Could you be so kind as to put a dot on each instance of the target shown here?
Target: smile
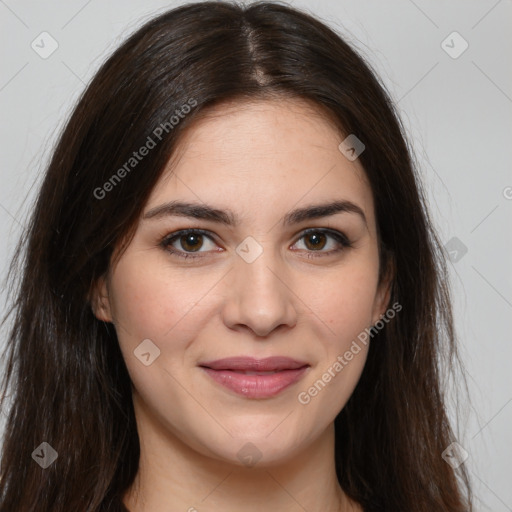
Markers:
(255, 378)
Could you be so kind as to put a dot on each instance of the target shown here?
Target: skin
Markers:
(260, 160)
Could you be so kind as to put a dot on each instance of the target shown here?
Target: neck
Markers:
(174, 477)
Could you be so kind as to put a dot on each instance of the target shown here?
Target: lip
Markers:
(230, 373)
(251, 364)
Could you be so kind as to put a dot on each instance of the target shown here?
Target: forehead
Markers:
(266, 154)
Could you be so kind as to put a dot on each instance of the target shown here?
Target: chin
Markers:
(261, 449)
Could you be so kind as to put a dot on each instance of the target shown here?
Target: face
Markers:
(253, 267)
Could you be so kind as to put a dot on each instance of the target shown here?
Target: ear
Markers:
(383, 295)
(100, 301)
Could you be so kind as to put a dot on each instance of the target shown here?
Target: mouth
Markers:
(255, 378)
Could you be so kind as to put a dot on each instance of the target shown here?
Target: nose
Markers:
(260, 296)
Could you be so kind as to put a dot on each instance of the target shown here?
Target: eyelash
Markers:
(341, 238)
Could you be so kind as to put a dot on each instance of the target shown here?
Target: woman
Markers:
(231, 297)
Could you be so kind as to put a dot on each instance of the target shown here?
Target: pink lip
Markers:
(229, 373)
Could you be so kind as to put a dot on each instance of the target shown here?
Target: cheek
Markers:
(147, 300)
(153, 300)
(144, 307)
(345, 300)
(345, 304)
(149, 303)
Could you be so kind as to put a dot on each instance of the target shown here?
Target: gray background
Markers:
(456, 110)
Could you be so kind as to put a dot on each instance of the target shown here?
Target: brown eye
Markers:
(187, 242)
(191, 241)
(315, 240)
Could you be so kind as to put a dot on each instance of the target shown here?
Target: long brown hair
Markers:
(65, 374)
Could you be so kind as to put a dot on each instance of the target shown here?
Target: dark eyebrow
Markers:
(227, 217)
(323, 210)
